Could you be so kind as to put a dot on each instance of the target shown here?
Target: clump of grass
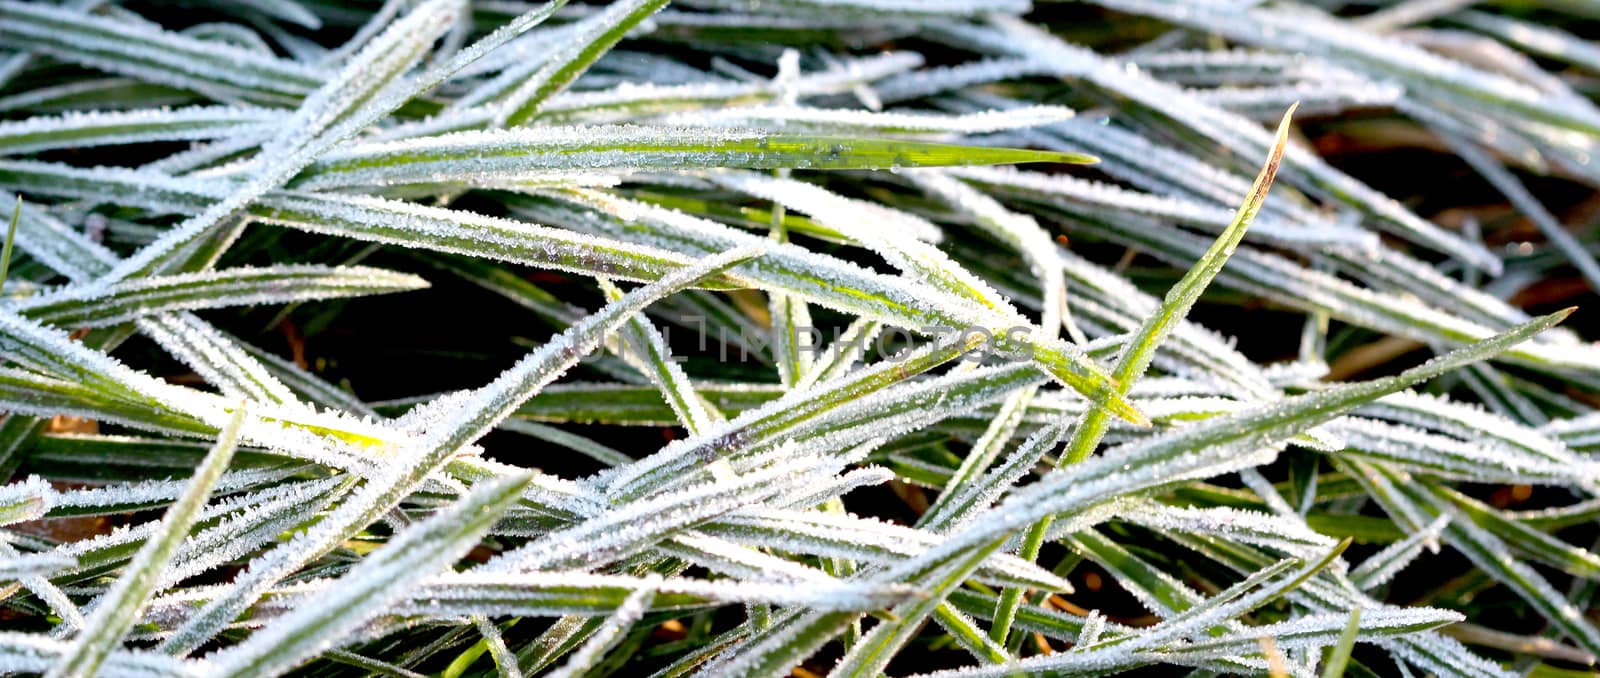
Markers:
(906, 395)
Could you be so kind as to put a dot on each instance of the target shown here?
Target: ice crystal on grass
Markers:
(1383, 565)
(101, 305)
(119, 607)
(846, 120)
(25, 500)
(415, 554)
(1259, 529)
(77, 130)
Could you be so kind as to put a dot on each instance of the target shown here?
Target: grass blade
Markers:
(416, 553)
(119, 608)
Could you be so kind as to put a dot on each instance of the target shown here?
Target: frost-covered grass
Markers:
(832, 336)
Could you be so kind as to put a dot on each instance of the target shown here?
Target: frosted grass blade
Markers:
(823, 280)
(452, 423)
(839, 121)
(1219, 127)
(386, 575)
(25, 500)
(96, 306)
(1309, 631)
(875, 227)
(38, 653)
(482, 154)
(1205, 448)
(872, 653)
(592, 38)
(1307, 30)
(862, 9)
(131, 127)
(373, 220)
(1267, 273)
(1489, 552)
(627, 614)
(1525, 540)
(370, 86)
(1381, 566)
(119, 608)
(645, 344)
(1139, 352)
(139, 50)
(548, 594)
(1502, 179)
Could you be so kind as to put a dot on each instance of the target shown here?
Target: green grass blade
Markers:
(872, 653)
(119, 608)
(644, 343)
(137, 50)
(132, 127)
(24, 501)
(95, 306)
(11, 239)
(596, 36)
(579, 148)
(388, 573)
(456, 425)
(1139, 352)
(1339, 656)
